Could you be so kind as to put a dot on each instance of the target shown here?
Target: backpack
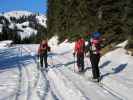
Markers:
(42, 48)
(95, 46)
(96, 37)
(80, 46)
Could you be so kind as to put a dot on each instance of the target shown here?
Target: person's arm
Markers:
(49, 48)
(84, 48)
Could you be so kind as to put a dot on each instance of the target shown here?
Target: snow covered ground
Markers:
(5, 44)
(20, 78)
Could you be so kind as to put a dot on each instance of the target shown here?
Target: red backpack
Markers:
(42, 48)
(80, 46)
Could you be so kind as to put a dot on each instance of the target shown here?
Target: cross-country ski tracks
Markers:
(34, 58)
(42, 82)
(124, 84)
(25, 85)
(103, 86)
(47, 90)
(20, 80)
(103, 90)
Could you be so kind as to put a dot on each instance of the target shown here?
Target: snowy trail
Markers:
(49, 92)
(26, 81)
(62, 69)
(4, 71)
(59, 93)
(21, 79)
(83, 85)
(46, 93)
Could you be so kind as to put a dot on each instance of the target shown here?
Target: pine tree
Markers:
(113, 18)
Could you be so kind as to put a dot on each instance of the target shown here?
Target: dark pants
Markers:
(80, 61)
(43, 59)
(95, 58)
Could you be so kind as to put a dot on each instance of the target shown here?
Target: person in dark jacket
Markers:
(95, 48)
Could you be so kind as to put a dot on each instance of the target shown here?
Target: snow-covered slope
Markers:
(22, 81)
(17, 14)
(5, 44)
(42, 20)
(26, 29)
(117, 72)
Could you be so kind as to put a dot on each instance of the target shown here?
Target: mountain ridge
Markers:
(23, 23)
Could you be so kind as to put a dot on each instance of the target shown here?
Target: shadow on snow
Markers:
(116, 70)
(10, 58)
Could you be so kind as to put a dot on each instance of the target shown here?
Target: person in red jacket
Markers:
(42, 52)
(79, 51)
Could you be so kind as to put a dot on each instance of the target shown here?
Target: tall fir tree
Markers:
(111, 17)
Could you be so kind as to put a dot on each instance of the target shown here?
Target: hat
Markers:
(87, 33)
(96, 34)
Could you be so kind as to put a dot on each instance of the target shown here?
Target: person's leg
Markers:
(78, 61)
(97, 67)
(82, 62)
(41, 60)
(92, 59)
(45, 60)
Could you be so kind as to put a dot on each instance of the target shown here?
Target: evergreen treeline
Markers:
(13, 33)
(10, 34)
(113, 18)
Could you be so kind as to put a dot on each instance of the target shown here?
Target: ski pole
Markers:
(38, 61)
(74, 64)
(52, 60)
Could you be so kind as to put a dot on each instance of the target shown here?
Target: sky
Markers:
(27, 5)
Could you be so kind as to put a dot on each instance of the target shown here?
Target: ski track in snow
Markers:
(16, 93)
(47, 88)
(60, 82)
(105, 86)
(105, 89)
(27, 74)
(24, 87)
(78, 86)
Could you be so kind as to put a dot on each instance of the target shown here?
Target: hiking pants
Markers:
(43, 59)
(95, 58)
(80, 61)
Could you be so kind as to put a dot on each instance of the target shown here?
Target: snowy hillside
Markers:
(22, 20)
(21, 79)
(42, 20)
(17, 14)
